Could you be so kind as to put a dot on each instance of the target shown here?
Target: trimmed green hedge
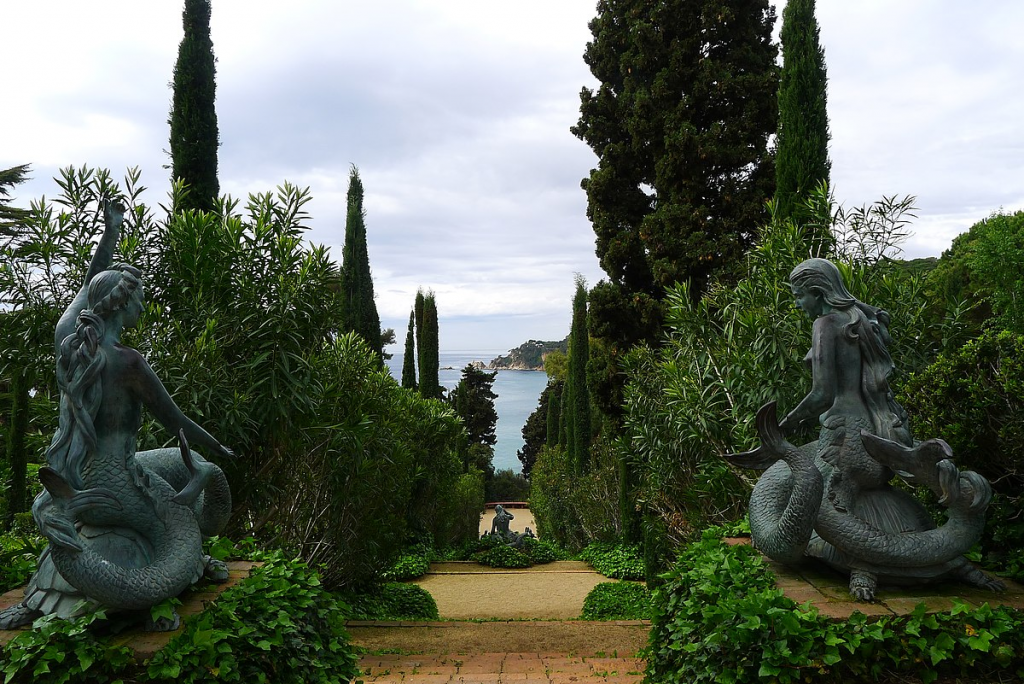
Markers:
(720, 618)
(617, 601)
(617, 561)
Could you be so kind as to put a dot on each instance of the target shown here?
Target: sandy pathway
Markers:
(553, 591)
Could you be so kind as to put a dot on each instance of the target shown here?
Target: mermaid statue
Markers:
(125, 528)
(833, 499)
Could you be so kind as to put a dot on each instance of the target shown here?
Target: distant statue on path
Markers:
(125, 529)
(832, 499)
(501, 520)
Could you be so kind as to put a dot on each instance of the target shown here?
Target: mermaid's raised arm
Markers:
(102, 258)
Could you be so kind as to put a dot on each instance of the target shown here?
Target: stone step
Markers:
(622, 638)
(500, 668)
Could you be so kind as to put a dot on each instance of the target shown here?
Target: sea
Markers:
(518, 394)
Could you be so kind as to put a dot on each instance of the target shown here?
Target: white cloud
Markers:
(457, 115)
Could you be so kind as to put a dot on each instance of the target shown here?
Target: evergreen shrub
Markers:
(973, 398)
(393, 601)
(617, 601)
(276, 626)
(618, 561)
(502, 555)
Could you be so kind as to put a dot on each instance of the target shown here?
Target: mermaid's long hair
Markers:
(868, 325)
(80, 361)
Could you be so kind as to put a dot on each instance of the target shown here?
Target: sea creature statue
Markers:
(125, 528)
(832, 499)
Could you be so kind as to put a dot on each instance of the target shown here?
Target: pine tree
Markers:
(193, 119)
(360, 310)
(680, 124)
(802, 161)
(409, 360)
(474, 403)
(11, 217)
(430, 386)
(576, 407)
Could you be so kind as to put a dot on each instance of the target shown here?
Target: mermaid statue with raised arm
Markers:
(832, 499)
(125, 528)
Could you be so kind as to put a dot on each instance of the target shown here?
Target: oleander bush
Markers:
(720, 618)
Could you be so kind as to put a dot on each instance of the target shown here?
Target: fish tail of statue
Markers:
(785, 501)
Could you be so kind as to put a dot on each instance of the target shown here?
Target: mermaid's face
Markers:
(133, 310)
(809, 301)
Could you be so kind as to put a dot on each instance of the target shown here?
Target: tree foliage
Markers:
(359, 310)
(193, 119)
(541, 427)
(335, 462)
(680, 124)
(409, 358)
(474, 398)
(802, 161)
(576, 403)
(973, 397)
(742, 345)
(430, 385)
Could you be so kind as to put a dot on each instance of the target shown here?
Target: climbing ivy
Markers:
(720, 618)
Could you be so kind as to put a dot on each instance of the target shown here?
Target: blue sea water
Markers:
(518, 393)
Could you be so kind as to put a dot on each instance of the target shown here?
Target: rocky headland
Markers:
(528, 356)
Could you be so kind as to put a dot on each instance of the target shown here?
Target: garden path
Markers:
(504, 626)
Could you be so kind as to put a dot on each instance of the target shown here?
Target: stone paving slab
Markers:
(145, 644)
(614, 638)
(500, 668)
(829, 592)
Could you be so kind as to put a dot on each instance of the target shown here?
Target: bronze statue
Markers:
(125, 529)
(832, 498)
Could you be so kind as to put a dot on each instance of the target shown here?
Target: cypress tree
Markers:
(417, 309)
(193, 119)
(554, 414)
(802, 161)
(577, 404)
(360, 310)
(430, 386)
(409, 360)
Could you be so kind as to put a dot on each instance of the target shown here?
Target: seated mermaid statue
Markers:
(125, 529)
(832, 499)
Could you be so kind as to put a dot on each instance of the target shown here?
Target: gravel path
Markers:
(470, 591)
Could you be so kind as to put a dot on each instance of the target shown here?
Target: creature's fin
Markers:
(773, 442)
(200, 473)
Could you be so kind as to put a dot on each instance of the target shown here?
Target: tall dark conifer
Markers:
(576, 407)
(409, 359)
(417, 310)
(680, 124)
(802, 161)
(360, 309)
(193, 120)
(430, 386)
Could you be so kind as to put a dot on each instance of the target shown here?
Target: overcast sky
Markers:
(457, 114)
